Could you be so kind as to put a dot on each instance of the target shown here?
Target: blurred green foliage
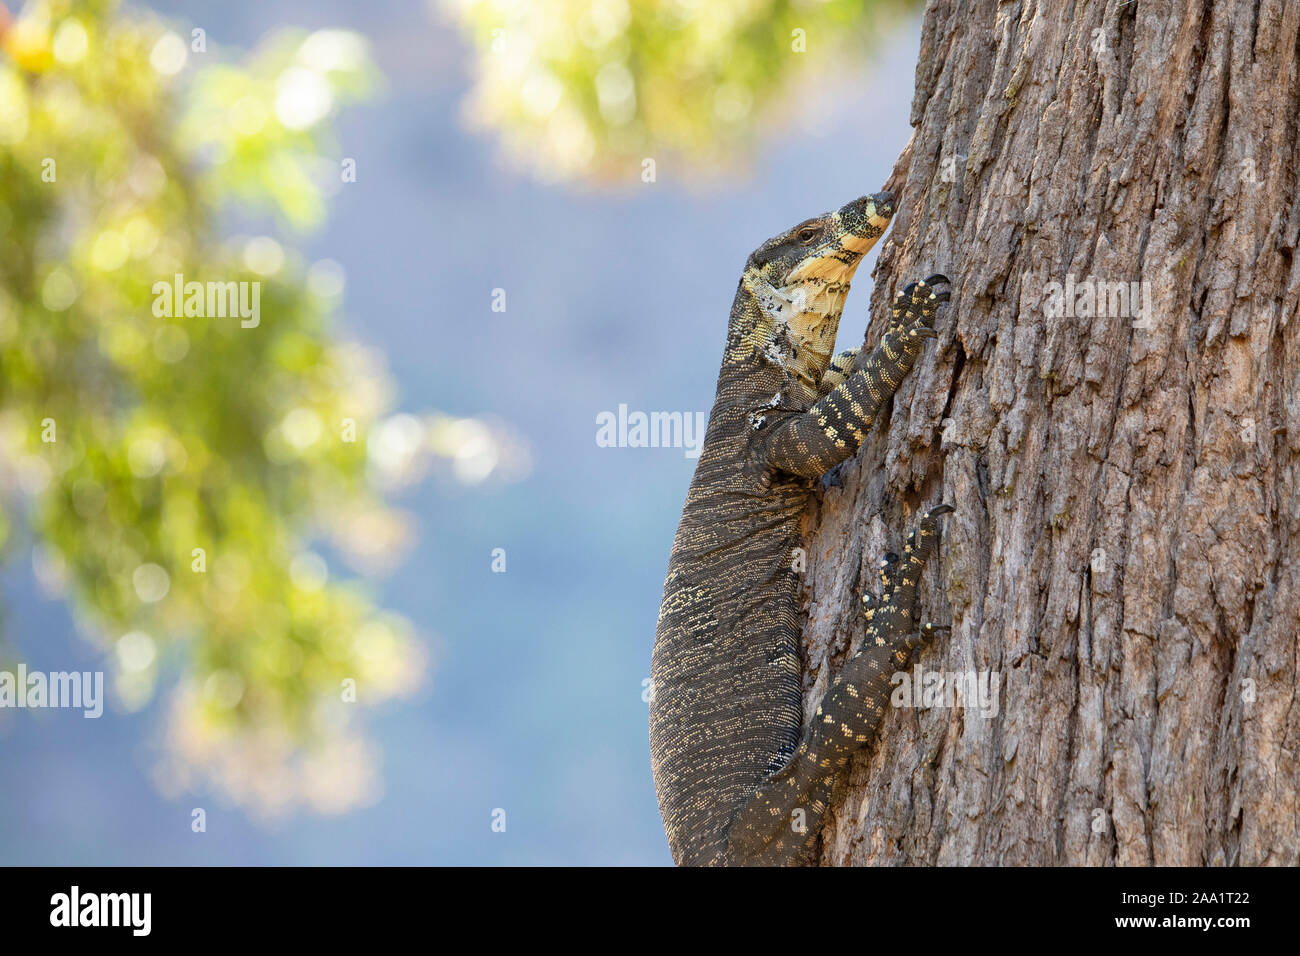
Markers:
(174, 472)
(589, 88)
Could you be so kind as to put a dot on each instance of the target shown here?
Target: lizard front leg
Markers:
(779, 824)
(840, 368)
(811, 443)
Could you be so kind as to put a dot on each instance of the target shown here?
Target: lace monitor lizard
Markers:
(732, 763)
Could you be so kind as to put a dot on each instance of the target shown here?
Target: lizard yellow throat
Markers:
(801, 278)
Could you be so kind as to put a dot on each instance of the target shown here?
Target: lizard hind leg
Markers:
(920, 543)
(779, 822)
(888, 579)
(893, 619)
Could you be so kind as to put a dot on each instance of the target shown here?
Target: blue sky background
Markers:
(533, 703)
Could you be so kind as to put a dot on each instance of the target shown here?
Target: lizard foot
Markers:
(870, 602)
(916, 306)
(889, 617)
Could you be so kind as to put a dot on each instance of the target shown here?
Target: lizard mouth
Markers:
(815, 289)
(861, 223)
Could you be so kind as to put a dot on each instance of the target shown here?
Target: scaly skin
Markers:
(739, 779)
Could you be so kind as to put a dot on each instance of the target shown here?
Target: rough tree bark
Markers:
(1126, 547)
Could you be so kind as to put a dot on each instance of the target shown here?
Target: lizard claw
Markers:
(929, 631)
(914, 309)
(888, 565)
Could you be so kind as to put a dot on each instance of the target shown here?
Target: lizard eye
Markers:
(806, 236)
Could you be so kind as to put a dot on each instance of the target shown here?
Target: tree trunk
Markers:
(1125, 554)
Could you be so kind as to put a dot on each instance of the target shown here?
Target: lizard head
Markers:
(798, 281)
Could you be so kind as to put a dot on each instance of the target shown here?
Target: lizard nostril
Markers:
(884, 203)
